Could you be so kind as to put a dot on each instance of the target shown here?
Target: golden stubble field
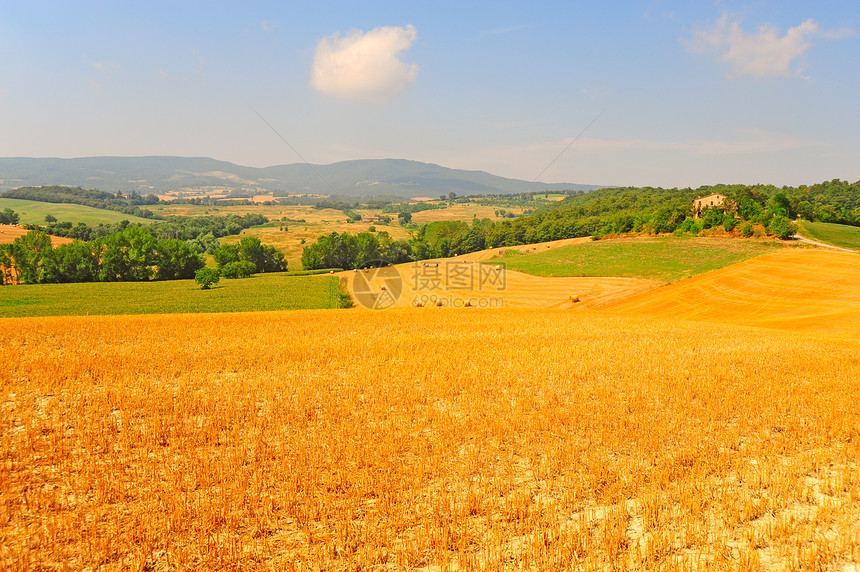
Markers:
(9, 232)
(810, 290)
(426, 440)
(489, 286)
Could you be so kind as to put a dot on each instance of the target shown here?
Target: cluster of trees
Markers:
(248, 257)
(131, 255)
(8, 216)
(351, 250)
(126, 204)
(202, 231)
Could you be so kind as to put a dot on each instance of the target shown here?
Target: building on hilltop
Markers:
(710, 201)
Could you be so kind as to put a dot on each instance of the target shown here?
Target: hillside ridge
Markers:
(355, 178)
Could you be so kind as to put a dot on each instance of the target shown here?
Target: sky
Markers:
(650, 93)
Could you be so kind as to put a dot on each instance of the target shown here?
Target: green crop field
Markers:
(264, 292)
(659, 258)
(835, 234)
(33, 212)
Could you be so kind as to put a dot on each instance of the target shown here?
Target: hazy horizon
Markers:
(678, 95)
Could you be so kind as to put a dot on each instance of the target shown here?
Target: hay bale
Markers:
(574, 298)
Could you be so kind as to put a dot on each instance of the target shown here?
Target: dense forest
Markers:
(749, 211)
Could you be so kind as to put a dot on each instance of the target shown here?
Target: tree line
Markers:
(350, 250)
(128, 256)
(132, 255)
(749, 210)
(202, 230)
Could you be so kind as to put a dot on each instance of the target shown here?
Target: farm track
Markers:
(821, 244)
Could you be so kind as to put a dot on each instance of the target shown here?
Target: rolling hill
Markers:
(360, 178)
(33, 212)
(811, 291)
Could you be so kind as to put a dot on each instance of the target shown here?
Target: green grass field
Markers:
(835, 234)
(659, 258)
(33, 212)
(276, 291)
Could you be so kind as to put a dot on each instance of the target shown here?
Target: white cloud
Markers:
(364, 65)
(268, 27)
(763, 53)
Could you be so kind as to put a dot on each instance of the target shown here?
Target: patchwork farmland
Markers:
(438, 439)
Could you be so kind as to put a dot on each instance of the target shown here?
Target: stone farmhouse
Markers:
(702, 203)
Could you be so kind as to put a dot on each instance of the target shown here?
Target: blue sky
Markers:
(686, 93)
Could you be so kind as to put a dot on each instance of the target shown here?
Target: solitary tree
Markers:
(207, 277)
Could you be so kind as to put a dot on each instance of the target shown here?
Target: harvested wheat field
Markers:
(803, 290)
(427, 286)
(415, 440)
(9, 232)
(455, 282)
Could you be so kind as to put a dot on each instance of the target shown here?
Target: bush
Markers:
(242, 269)
(711, 217)
(207, 277)
(8, 216)
(782, 228)
(729, 222)
(688, 226)
(747, 230)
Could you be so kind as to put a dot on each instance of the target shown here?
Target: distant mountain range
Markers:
(361, 178)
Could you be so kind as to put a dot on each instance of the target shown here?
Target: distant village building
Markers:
(710, 201)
